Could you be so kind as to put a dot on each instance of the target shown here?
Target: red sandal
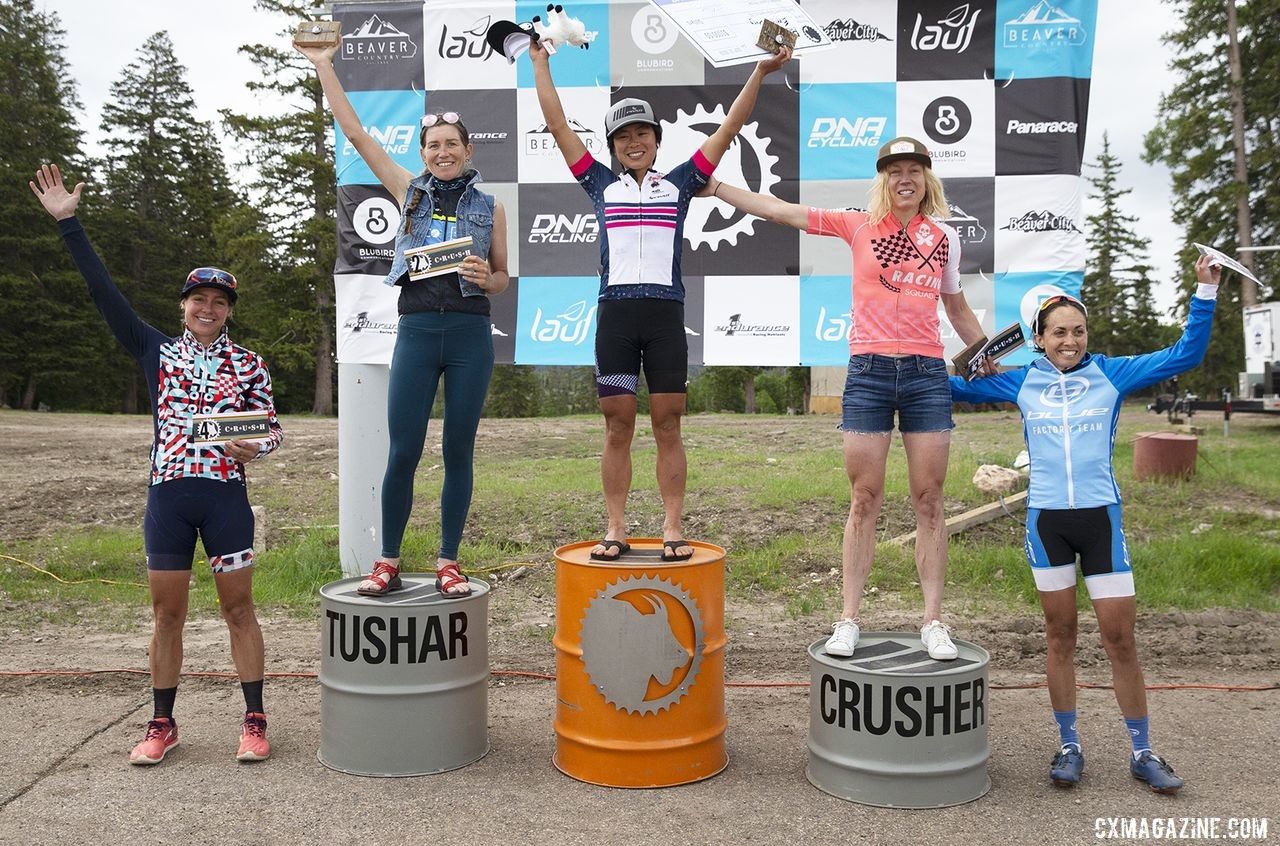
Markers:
(384, 579)
(448, 576)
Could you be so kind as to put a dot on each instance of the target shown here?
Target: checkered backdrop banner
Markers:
(998, 90)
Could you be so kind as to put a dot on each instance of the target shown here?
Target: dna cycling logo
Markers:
(642, 643)
(747, 163)
(952, 33)
(840, 133)
(571, 327)
(396, 139)
(850, 29)
(1065, 391)
(564, 229)
(832, 328)
(466, 43)
(378, 42)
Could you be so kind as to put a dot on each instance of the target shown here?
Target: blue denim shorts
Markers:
(915, 386)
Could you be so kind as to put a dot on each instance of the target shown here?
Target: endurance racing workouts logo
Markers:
(736, 327)
(1044, 25)
(953, 32)
(466, 44)
(572, 327)
(850, 30)
(378, 42)
(642, 643)
(362, 323)
(747, 163)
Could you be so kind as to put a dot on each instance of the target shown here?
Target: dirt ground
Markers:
(66, 780)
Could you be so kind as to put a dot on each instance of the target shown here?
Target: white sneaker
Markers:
(937, 639)
(844, 637)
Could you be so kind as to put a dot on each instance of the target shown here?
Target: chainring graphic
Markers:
(636, 632)
(712, 222)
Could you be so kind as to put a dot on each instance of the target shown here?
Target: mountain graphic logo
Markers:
(378, 41)
(1044, 25)
(376, 27)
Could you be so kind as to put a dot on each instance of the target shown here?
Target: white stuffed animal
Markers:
(560, 29)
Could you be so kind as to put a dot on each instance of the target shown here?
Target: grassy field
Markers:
(772, 490)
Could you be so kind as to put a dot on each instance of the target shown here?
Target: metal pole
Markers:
(1244, 225)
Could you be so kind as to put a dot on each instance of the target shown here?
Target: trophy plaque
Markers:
(774, 36)
(317, 33)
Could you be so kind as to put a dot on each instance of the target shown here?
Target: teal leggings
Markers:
(430, 345)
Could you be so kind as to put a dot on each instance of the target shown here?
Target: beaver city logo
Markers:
(642, 643)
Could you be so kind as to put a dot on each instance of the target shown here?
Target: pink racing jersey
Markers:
(898, 274)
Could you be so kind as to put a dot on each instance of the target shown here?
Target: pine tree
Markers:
(44, 339)
(167, 192)
(1193, 138)
(293, 160)
(1117, 286)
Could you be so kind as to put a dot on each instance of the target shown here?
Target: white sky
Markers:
(1129, 75)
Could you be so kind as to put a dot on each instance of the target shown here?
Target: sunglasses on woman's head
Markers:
(442, 117)
(1063, 298)
(211, 274)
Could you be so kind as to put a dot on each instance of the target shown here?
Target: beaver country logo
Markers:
(1042, 221)
(642, 643)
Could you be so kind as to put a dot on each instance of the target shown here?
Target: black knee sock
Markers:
(252, 696)
(163, 698)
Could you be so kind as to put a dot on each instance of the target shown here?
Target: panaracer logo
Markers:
(395, 139)
(832, 328)
(737, 327)
(850, 30)
(1043, 127)
(466, 44)
(1041, 221)
(1044, 25)
(953, 32)
(488, 137)
(642, 643)
(966, 226)
(362, 323)
(571, 327)
(540, 141)
(377, 41)
(838, 132)
(564, 229)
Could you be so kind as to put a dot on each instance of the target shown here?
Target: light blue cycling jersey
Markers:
(1069, 419)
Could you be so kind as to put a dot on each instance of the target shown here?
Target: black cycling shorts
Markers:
(217, 512)
(636, 334)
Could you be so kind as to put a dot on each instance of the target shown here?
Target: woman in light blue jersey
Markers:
(1070, 403)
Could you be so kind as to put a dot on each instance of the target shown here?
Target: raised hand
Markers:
(318, 54)
(775, 61)
(53, 195)
(1208, 273)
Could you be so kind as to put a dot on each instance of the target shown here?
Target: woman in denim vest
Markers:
(444, 322)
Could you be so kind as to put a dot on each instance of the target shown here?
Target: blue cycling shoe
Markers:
(1066, 766)
(1156, 772)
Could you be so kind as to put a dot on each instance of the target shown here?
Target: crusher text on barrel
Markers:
(385, 642)
(946, 709)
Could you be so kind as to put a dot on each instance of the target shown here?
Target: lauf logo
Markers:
(570, 327)
(954, 32)
(1065, 391)
(839, 132)
(834, 328)
(564, 229)
(469, 44)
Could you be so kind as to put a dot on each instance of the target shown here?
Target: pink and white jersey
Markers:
(898, 274)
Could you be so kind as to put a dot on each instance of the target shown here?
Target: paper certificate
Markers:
(1220, 258)
(232, 426)
(437, 259)
(725, 31)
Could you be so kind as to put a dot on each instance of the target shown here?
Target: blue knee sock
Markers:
(1138, 734)
(1067, 727)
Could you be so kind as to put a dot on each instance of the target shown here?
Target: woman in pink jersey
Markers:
(904, 260)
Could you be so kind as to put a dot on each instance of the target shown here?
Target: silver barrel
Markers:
(892, 727)
(404, 678)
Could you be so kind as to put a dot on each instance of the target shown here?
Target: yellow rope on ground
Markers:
(58, 578)
(479, 570)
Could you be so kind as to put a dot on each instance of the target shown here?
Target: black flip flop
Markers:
(672, 546)
(622, 546)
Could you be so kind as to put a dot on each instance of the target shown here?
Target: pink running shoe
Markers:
(253, 738)
(162, 735)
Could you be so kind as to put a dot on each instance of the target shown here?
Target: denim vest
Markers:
(475, 218)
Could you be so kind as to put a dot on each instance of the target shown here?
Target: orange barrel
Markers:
(640, 666)
(1164, 454)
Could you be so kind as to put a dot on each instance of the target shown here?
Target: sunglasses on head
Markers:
(1054, 300)
(443, 117)
(212, 274)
